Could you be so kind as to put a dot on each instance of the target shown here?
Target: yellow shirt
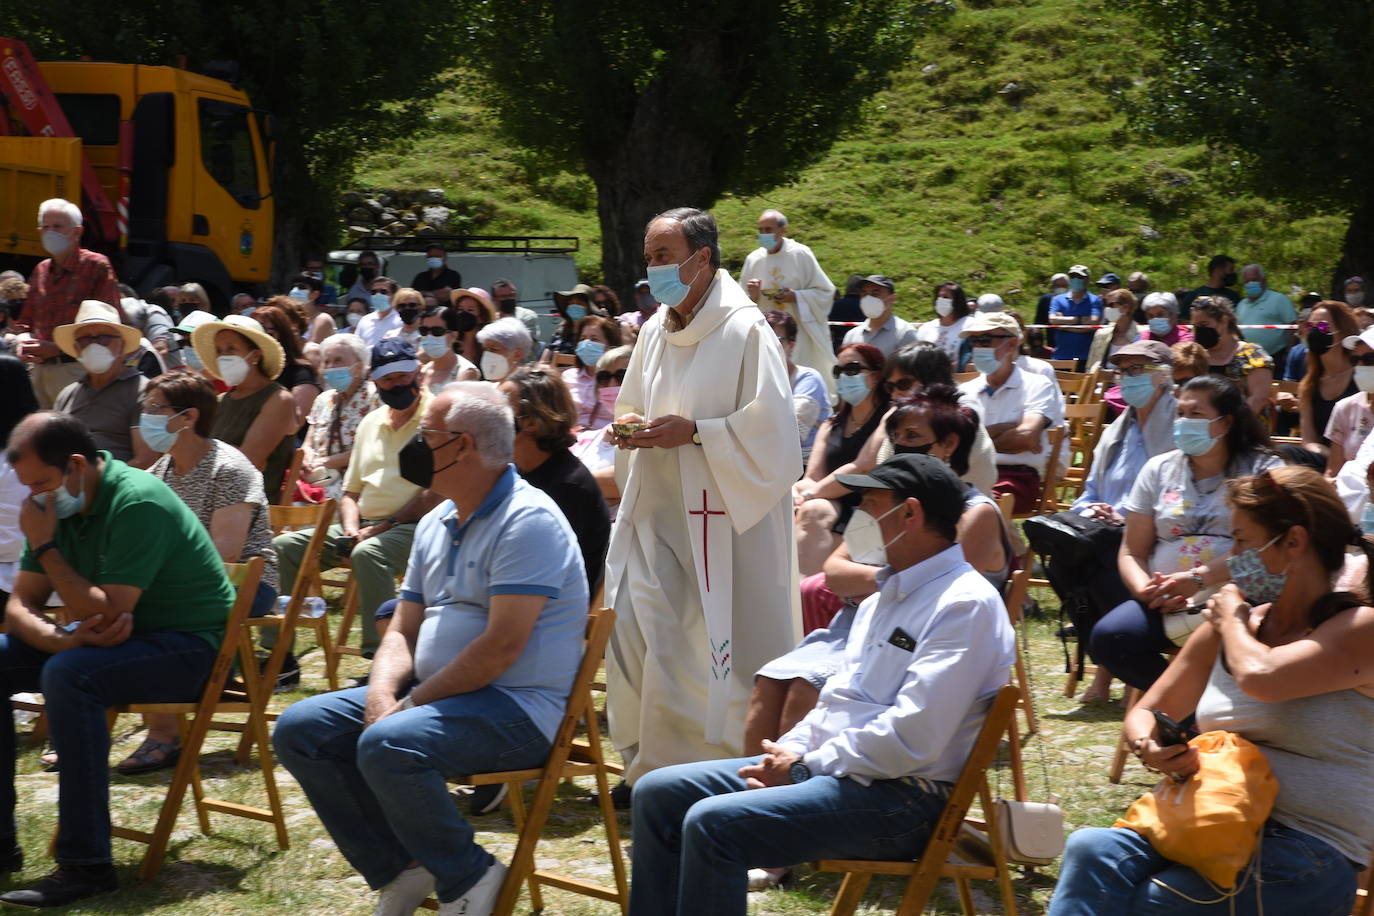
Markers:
(374, 470)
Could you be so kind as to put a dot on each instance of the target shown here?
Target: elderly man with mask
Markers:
(57, 288)
(108, 395)
(1263, 305)
(473, 674)
(783, 274)
(883, 329)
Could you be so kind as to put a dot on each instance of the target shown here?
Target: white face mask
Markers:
(1364, 379)
(864, 537)
(872, 306)
(96, 359)
(494, 366)
(56, 244)
(944, 306)
(1110, 315)
(232, 369)
(353, 319)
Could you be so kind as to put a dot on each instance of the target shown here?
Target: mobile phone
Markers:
(343, 546)
(1169, 731)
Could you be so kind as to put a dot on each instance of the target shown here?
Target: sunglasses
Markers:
(433, 332)
(989, 340)
(901, 384)
(103, 339)
(605, 376)
(849, 369)
(1319, 326)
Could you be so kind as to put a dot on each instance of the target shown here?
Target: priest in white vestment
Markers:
(701, 569)
(783, 274)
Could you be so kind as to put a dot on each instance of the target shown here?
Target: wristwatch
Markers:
(696, 436)
(407, 702)
(43, 548)
(799, 772)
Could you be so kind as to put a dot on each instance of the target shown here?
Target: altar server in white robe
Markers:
(782, 273)
(702, 566)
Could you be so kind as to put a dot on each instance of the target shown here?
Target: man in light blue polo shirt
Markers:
(472, 675)
(1074, 315)
(1263, 305)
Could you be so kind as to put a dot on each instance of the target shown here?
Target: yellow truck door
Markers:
(231, 210)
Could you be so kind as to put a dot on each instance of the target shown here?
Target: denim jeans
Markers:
(78, 685)
(1129, 640)
(1110, 870)
(698, 831)
(382, 792)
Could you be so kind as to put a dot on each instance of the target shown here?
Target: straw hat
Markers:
(203, 339)
(92, 314)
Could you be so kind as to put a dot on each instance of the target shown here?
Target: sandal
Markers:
(151, 755)
(49, 759)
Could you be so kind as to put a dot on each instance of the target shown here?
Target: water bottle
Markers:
(1367, 519)
(312, 606)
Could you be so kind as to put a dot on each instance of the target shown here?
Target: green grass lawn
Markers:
(239, 869)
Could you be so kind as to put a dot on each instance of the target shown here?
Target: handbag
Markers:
(1211, 822)
(1032, 833)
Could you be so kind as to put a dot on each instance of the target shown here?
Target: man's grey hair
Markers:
(59, 205)
(777, 217)
(613, 356)
(481, 410)
(350, 342)
(510, 333)
(1259, 271)
(238, 296)
(699, 228)
(135, 312)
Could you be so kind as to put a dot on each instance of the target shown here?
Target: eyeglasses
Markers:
(103, 339)
(989, 340)
(605, 376)
(158, 408)
(849, 369)
(429, 432)
(1140, 370)
(432, 331)
(901, 384)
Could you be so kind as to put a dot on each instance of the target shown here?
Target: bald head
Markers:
(52, 438)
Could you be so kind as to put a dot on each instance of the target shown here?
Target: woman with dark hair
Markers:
(858, 376)
(19, 401)
(1283, 659)
(297, 374)
(951, 308)
(1330, 375)
(440, 362)
(605, 301)
(1178, 526)
(1245, 363)
(544, 421)
(595, 335)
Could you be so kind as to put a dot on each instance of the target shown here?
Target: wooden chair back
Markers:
(287, 495)
(307, 585)
(564, 360)
(1067, 365)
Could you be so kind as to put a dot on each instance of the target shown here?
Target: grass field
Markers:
(239, 870)
(1000, 155)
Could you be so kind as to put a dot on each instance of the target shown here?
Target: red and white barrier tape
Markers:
(1094, 327)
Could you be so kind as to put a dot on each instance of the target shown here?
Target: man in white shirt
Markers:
(1016, 406)
(867, 772)
(883, 329)
(383, 318)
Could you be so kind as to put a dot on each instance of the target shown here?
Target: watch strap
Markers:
(44, 548)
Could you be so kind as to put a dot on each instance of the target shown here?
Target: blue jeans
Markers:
(1109, 870)
(698, 831)
(1130, 641)
(382, 792)
(78, 685)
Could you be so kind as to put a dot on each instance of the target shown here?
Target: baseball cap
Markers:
(914, 476)
(392, 354)
(1078, 270)
(1108, 280)
(988, 322)
(1366, 336)
(880, 280)
(1155, 351)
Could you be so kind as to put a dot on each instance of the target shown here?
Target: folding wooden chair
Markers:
(568, 758)
(1085, 423)
(211, 703)
(1018, 586)
(1074, 386)
(939, 861)
(307, 585)
(1065, 365)
(1047, 501)
(287, 496)
(563, 360)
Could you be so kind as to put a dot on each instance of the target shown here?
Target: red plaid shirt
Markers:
(55, 293)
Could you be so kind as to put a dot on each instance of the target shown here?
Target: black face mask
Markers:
(416, 460)
(1229, 279)
(1319, 341)
(369, 273)
(507, 306)
(1207, 338)
(399, 398)
(913, 449)
(408, 316)
(466, 321)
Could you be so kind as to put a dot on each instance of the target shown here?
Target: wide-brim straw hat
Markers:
(203, 339)
(93, 313)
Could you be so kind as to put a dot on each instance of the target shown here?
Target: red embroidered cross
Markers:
(705, 514)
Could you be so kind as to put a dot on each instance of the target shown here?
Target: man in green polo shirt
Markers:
(147, 592)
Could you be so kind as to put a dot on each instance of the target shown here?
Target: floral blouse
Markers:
(332, 426)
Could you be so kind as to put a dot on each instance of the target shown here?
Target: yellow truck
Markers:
(172, 168)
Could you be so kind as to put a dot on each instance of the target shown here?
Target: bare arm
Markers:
(1175, 694)
(303, 395)
(1137, 544)
(25, 620)
(1024, 438)
(867, 459)
(1257, 388)
(348, 513)
(394, 665)
(980, 537)
(848, 579)
(229, 530)
(605, 479)
(1335, 458)
(276, 421)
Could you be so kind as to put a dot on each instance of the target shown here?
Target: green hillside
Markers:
(998, 157)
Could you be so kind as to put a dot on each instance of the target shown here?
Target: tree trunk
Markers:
(1357, 253)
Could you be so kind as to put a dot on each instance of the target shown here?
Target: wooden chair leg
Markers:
(1027, 702)
(187, 768)
(1123, 750)
(258, 723)
(966, 897)
(851, 893)
(608, 818)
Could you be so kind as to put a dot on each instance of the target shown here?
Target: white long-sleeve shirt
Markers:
(893, 711)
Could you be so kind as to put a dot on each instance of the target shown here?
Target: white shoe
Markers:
(480, 899)
(762, 879)
(405, 893)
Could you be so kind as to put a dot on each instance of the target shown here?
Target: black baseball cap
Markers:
(915, 476)
(880, 280)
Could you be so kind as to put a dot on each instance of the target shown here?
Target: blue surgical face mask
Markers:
(1137, 390)
(1159, 327)
(589, 351)
(340, 377)
(1367, 519)
(434, 263)
(1077, 284)
(67, 504)
(768, 240)
(665, 282)
(1192, 436)
(380, 302)
(300, 294)
(853, 388)
(191, 358)
(985, 360)
(576, 312)
(434, 347)
(153, 428)
(1252, 289)
(1253, 578)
